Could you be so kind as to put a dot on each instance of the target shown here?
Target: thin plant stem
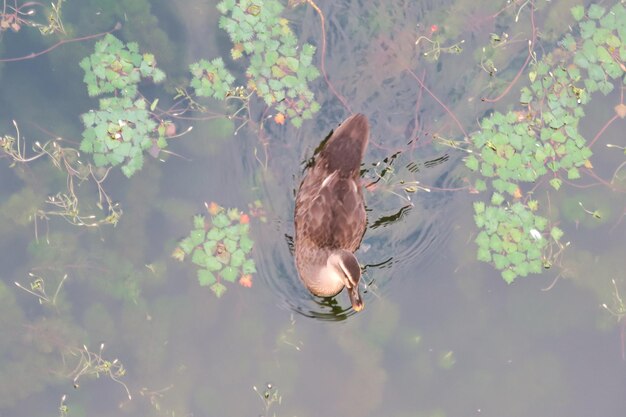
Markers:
(323, 56)
(32, 55)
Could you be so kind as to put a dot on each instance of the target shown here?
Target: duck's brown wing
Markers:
(330, 213)
(345, 148)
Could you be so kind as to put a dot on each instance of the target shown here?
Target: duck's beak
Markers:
(355, 298)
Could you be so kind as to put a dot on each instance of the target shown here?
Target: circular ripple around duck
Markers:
(409, 243)
(403, 236)
(276, 266)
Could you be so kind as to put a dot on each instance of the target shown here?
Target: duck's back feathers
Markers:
(330, 212)
(331, 215)
(344, 150)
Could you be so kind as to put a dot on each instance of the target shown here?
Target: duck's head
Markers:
(342, 266)
(326, 272)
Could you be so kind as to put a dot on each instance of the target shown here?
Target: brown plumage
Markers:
(330, 214)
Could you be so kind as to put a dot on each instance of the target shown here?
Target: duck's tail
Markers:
(345, 148)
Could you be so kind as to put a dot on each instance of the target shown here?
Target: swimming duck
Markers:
(330, 214)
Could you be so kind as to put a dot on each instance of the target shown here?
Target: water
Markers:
(441, 334)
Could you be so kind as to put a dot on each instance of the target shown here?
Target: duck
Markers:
(330, 218)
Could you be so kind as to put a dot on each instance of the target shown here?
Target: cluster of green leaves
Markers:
(508, 153)
(601, 46)
(512, 236)
(211, 79)
(122, 128)
(119, 132)
(221, 248)
(542, 138)
(116, 67)
(279, 71)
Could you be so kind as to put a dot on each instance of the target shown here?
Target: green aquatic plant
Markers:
(525, 145)
(211, 79)
(541, 139)
(279, 70)
(118, 67)
(120, 132)
(513, 237)
(221, 247)
(123, 128)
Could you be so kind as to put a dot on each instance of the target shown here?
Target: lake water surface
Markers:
(442, 334)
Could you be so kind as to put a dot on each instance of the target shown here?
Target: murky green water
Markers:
(441, 335)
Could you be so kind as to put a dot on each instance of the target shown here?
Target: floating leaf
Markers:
(212, 263)
(216, 234)
(497, 199)
(237, 258)
(187, 245)
(509, 276)
(556, 233)
(218, 289)
(578, 12)
(249, 267)
(197, 236)
(199, 257)
(198, 222)
(229, 274)
(595, 11)
(555, 183)
(178, 254)
(205, 277)
(471, 162)
(245, 243)
(221, 220)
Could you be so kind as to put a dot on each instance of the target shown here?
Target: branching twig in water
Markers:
(118, 26)
(65, 204)
(446, 108)
(408, 187)
(38, 289)
(531, 55)
(182, 94)
(451, 143)
(620, 166)
(601, 131)
(155, 395)
(596, 214)
(15, 18)
(619, 311)
(436, 49)
(269, 397)
(91, 363)
(63, 409)
(15, 149)
(323, 55)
